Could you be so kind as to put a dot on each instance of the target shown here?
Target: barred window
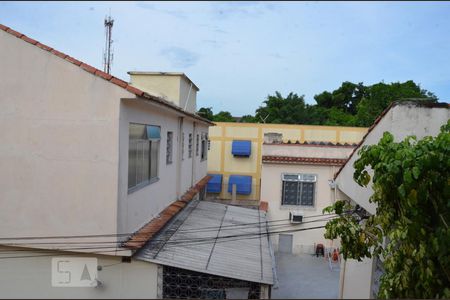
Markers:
(298, 189)
(190, 146)
(169, 148)
(197, 145)
(143, 154)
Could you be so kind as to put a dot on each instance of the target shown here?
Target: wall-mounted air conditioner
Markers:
(296, 216)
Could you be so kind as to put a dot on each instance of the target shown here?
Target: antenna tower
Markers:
(107, 54)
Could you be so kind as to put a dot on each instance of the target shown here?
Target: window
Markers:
(190, 146)
(182, 146)
(298, 189)
(197, 142)
(169, 147)
(143, 154)
(204, 151)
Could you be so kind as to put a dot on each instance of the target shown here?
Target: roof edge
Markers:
(96, 72)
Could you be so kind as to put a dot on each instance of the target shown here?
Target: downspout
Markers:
(187, 99)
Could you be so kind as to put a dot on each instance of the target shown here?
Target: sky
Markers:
(238, 53)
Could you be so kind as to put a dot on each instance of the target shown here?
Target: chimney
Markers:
(172, 86)
(273, 138)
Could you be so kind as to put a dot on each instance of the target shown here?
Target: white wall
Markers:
(356, 278)
(31, 278)
(58, 155)
(271, 191)
(401, 121)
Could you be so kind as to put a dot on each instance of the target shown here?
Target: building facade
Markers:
(297, 183)
(401, 119)
(227, 159)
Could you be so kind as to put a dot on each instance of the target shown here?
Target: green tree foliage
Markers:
(349, 105)
(280, 110)
(410, 229)
(206, 112)
(223, 116)
(248, 119)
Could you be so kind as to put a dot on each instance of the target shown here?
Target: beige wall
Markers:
(31, 278)
(271, 191)
(221, 161)
(64, 150)
(58, 155)
(175, 88)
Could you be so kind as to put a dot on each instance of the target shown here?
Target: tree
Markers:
(248, 119)
(380, 95)
(223, 116)
(345, 98)
(280, 110)
(410, 229)
(206, 112)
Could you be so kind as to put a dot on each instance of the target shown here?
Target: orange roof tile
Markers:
(143, 235)
(302, 160)
(99, 73)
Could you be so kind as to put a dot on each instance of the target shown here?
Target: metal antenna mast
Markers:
(108, 55)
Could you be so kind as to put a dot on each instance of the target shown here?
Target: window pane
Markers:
(290, 193)
(145, 160)
(137, 131)
(132, 151)
(139, 161)
(307, 193)
(154, 158)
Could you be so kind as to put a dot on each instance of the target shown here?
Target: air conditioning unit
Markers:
(296, 217)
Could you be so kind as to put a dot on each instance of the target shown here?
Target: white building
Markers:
(295, 181)
(88, 165)
(401, 119)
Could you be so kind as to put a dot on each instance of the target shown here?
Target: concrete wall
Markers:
(401, 121)
(58, 156)
(221, 161)
(31, 278)
(271, 191)
(356, 278)
(172, 86)
(138, 207)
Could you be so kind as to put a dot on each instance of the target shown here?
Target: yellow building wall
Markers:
(221, 161)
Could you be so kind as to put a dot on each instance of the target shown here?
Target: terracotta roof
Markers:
(101, 74)
(143, 235)
(419, 103)
(264, 206)
(302, 160)
(314, 143)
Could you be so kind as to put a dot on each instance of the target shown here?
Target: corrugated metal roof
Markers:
(216, 239)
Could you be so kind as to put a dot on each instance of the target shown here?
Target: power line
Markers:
(155, 239)
(133, 233)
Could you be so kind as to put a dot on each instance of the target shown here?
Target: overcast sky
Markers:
(239, 52)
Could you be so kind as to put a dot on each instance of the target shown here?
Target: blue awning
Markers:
(214, 184)
(243, 184)
(241, 148)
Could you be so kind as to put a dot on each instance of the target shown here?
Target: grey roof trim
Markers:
(246, 259)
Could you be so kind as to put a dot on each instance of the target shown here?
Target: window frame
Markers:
(151, 142)
(301, 180)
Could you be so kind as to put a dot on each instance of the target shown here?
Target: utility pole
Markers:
(107, 54)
